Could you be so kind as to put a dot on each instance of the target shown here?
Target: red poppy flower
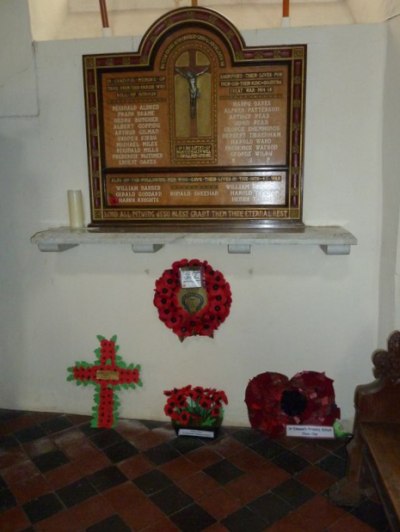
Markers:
(184, 418)
(216, 412)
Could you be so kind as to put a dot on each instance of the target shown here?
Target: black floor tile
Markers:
(186, 444)
(171, 500)
(105, 438)
(76, 492)
(7, 500)
(42, 507)
(56, 424)
(150, 424)
(270, 508)
(152, 482)
(89, 431)
(248, 436)
(106, 478)
(120, 451)
(29, 434)
(8, 442)
(162, 454)
(48, 461)
(111, 524)
(372, 514)
(223, 471)
(244, 520)
(193, 518)
(334, 465)
(8, 415)
(267, 448)
(290, 462)
(293, 492)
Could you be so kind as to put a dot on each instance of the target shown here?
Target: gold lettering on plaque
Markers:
(107, 375)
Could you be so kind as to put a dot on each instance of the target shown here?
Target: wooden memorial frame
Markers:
(196, 131)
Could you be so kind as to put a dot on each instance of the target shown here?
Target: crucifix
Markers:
(109, 374)
(191, 73)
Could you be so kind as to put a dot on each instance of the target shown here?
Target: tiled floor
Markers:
(58, 474)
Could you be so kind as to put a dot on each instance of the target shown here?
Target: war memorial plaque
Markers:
(196, 131)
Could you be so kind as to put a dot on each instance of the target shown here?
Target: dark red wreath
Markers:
(211, 313)
(273, 401)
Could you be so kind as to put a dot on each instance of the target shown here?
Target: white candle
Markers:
(75, 209)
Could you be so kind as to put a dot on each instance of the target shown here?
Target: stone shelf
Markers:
(333, 240)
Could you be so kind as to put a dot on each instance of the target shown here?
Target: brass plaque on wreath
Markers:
(196, 131)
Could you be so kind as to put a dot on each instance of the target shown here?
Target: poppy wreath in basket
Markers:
(192, 298)
(273, 401)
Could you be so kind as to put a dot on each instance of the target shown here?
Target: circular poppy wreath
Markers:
(273, 401)
(208, 312)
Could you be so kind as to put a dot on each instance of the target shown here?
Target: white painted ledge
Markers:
(333, 240)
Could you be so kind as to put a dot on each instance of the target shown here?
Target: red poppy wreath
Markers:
(192, 298)
(273, 401)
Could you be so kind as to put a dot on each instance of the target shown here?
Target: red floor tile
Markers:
(133, 506)
(179, 468)
(228, 446)
(61, 522)
(163, 525)
(198, 485)
(31, 488)
(11, 458)
(135, 466)
(203, 457)
(351, 523)
(312, 452)
(91, 511)
(146, 440)
(247, 460)
(19, 472)
(64, 475)
(40, 446)
(13, 520)
(316, 479)
(316, 515)
(220, 503)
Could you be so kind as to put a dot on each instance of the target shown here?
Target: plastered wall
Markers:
(294, 308)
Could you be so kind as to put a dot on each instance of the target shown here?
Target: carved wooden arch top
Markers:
(197, 16)
(387, 363)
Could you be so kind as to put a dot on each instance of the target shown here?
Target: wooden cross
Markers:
(285, 8)
(108, 374)
(104, 13)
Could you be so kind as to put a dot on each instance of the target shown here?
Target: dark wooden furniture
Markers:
(374, 451)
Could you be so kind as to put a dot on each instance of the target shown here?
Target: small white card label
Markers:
(191, 278)
(196, 432)
(309, 431)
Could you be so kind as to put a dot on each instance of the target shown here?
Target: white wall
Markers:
(17, 72)
(293, 308)
(77, 19)
(390, 262)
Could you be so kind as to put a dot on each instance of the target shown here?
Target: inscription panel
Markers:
(196, 128)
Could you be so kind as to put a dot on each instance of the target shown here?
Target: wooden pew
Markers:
(374, 451)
